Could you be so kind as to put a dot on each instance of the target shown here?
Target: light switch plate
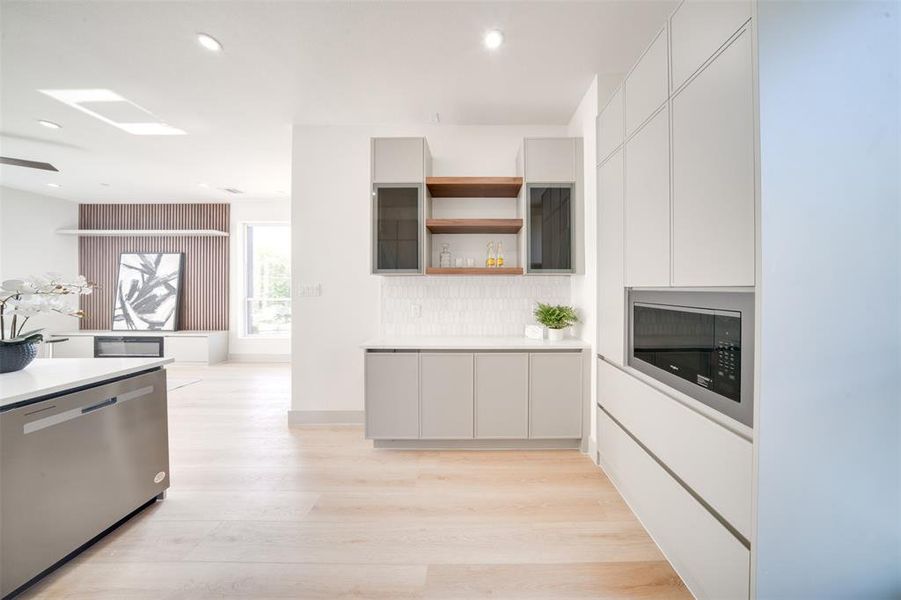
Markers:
(309, 290)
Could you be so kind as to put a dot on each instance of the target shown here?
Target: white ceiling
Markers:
(283, 63)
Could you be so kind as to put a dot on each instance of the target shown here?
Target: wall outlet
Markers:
(416, 310)
(309, 289)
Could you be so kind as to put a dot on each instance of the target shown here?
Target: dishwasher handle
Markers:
(99, 405)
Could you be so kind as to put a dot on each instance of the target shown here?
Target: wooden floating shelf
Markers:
(474, 225)
(474, 271)
(474, 187)
(143, 232)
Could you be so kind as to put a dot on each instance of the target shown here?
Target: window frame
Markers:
(247, 279)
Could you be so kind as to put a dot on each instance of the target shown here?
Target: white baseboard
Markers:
(593, 451)
(335, 417)
(260, 358)
(477, 444)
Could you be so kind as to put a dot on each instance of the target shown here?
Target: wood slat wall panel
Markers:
(204, 299)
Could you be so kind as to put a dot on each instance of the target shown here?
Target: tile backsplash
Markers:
(466, 305)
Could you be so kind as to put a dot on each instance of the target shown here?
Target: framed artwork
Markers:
(148, 291)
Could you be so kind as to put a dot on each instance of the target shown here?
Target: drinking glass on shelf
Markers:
(470, 262)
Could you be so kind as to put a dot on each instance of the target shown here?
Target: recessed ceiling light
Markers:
(50, 124)
(493, 39)
(209, 42)
(53, 185)
(203, 185)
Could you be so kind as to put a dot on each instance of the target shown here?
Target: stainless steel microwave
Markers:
(700, 343)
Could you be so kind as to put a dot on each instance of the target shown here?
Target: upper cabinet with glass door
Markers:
(552, 170)
(398, 170)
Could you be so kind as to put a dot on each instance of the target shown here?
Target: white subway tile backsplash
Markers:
(467, 305)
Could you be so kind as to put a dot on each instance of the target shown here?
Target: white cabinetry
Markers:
(446, 395)
(392, 395)
(611, 292)
(647, 205)
(712, 460)
(713, 563)
(550, 160)
(610, 126)
(713, 172)
(475, 395)
(646, 87)
(698, 29)
(74, 347)
(502, 395)
(204, 347)
(555, 395)
(398, 160)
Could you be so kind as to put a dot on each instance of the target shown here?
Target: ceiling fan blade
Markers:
(31, 164)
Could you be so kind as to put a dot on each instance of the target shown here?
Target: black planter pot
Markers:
(15, 357)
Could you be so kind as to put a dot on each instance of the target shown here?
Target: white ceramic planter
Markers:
(555, 335)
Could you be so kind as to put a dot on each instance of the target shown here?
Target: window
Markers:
(267, 279)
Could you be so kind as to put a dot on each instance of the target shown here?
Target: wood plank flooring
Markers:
(261, 510)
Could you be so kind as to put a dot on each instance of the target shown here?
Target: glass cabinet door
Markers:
(550, 215)
(397, 229)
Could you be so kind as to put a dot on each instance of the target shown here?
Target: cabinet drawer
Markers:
(392, 395)
(502, 395)
(446, 395)
(698, 29)
(710, 459)
(76, 346)
(713, 563)
(555, 395)
(647, 86)
(187, 349)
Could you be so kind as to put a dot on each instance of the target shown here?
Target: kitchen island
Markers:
(84, 445)
(476, 392)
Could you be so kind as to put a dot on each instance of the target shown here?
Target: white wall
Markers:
(828, 431)
(240, 347)
(584, 283)
(30, 246)
(331, 243)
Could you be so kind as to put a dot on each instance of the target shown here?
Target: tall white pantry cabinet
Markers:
(676, 209)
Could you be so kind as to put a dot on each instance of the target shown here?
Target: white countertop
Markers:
(51, 375)
(415, 342)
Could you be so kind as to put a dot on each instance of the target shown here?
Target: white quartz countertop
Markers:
(46, 376)
(471, 343)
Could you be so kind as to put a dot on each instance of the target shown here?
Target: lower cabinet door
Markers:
(555, 390)
(392, 395)
(502, 395)
(446, 395)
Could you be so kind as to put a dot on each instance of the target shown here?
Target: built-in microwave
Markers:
(700, 343)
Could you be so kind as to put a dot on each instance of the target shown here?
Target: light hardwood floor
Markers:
(260, 510)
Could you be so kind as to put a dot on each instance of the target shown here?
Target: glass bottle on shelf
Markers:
(445, 257)
(490, 260)
(499, 261)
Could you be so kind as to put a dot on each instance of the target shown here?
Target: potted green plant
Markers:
(21, 299)
(556, 319)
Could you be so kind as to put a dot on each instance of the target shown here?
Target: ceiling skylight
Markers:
(113, 109)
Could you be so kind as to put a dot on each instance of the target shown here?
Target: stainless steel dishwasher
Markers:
(74, 465)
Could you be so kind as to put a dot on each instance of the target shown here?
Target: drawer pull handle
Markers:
(99, 405)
